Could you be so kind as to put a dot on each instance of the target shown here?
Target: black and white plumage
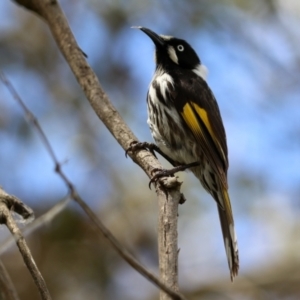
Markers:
(186, 125)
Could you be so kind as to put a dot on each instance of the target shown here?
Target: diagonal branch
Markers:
(39, 222)
(23, 210)
(168, 198)
(7, 289)
(10, 203)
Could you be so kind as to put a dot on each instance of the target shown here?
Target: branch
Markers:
(75, 196)
(163, 285)
(168, 197)
(167, 237)
(38, 222)
(51, 12)
(10, 203)
(7, 289)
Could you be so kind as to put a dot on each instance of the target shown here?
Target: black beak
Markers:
(157, 40)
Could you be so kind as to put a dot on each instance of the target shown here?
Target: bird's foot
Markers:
(135, 146)
(165, 173)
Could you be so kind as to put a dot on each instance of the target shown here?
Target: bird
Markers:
(187, 127)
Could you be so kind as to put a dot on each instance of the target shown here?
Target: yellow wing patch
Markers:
(189, 115)
(227, 205)
(203, 115)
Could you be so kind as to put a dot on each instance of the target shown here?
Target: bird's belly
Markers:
(166, 124)
(170, 137)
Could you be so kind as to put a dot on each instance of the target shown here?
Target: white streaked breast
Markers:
(163, 80)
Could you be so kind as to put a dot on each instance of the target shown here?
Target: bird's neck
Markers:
(166, 67)
(172, 68)
(201, 71)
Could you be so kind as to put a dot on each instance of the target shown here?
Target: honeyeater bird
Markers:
(186, 125)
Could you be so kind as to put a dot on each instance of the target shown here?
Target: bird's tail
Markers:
(229, 236)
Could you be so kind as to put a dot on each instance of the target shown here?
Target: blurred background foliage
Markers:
(252, 50)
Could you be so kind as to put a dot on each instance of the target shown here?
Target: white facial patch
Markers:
(201, 71)
(172, 54)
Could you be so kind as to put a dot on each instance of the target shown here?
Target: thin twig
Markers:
(37, 223)
(8, 203)
(125, 254)
(113, 241)
(7, 289)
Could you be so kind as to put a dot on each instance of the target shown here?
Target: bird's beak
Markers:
(157, 40)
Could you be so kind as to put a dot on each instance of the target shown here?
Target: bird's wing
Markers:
(198, 107)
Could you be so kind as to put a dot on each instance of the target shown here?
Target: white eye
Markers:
(180, 48)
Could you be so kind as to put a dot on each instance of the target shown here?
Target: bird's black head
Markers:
(170, 50)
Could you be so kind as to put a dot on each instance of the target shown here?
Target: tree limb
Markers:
(168, 198)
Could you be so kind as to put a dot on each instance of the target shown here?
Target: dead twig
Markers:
(9, 204)
(39, 222)
(7, 289)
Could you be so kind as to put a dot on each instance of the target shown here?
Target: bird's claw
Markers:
(165, 173)
(159, 174)
(134, 146)
(131, 148)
